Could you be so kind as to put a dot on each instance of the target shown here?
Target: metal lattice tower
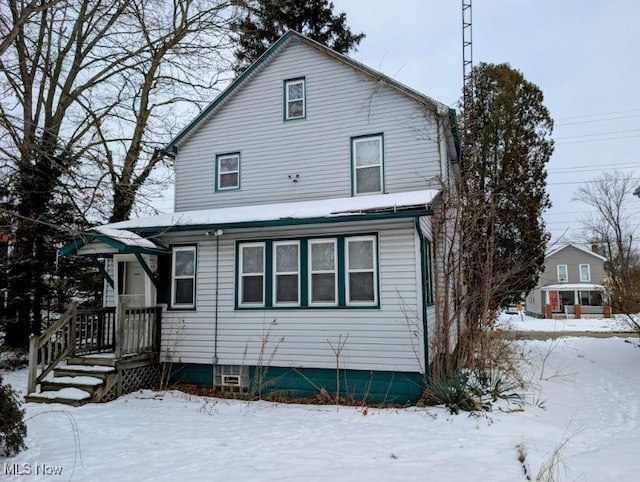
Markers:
(467, 69)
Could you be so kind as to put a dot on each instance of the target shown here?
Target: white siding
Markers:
(378, 339)
(341, 103)
(109, 295)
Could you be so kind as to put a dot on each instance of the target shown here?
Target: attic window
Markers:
(295, 103)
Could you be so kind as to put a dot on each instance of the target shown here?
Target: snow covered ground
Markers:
(522, 322)
(583, 404)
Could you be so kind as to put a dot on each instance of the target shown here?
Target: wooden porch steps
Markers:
(74, 383)
(94, 355)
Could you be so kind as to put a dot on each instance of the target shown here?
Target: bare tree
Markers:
(90, 90)
(13, 16)
(613, 227)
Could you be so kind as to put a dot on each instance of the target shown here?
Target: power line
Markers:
(567, 170)
(598, 114)
(580, 182)
(595, 140)
(599, 134)
(596, 120)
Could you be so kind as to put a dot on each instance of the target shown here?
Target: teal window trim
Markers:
(219, 173)
(276, 273)
(304, 276)
(373, 269)
(286, 100)
(354, 141)
(325, 271)
(427, 266)
(174, 250)
(240, 274)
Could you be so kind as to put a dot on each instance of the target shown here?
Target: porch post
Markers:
(33, 364)
(73, 327)
(120, 330)
(548, 312)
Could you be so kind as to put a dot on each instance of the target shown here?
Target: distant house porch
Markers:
(577, 300)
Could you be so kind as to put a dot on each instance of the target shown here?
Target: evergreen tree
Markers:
(12, 427)
(265, 21)
(507, 145)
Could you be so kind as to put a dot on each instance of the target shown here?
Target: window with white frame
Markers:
(323, 272)
(183, 277)
(563, 274)
(360, 270)
(295, 102)
(227, 172)
(367, 161)
(252, 274)
(585, 273)
(286, 273)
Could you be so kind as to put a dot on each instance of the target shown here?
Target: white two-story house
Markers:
(301, 242)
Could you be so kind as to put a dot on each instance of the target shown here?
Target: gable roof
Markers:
(438, 108)
(118, 241)
(584, 250)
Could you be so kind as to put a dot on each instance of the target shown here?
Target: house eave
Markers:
(74, 248)
(284, 222)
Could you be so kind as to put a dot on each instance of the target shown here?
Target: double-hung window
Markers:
(286, 273)
(252, 274)
(323, 272)
(367, 163)
(339, 271)
(563, 274)
(227, 172)
(294, 102)
(183, 276)
(361, 271)
(585, 273)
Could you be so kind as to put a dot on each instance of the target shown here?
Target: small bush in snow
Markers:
(12, 427)
(470, 390)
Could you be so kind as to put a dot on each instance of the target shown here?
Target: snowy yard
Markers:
(583, 402)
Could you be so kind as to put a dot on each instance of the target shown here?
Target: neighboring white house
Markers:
(301, 240)
(573, 276)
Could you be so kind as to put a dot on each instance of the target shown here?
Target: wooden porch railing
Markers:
(81, 332)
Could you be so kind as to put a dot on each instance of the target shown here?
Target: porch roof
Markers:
(573, 287)
(107, 241)
(378, 206)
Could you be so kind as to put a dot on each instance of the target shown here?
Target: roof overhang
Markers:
(573, 287)
(105, 242)
(358, 208)
(135, 236)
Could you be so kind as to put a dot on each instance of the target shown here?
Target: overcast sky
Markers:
(583, 54)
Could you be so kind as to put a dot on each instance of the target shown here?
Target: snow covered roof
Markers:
(285, 213)
(126, 237)
(122, 236)
(574, 287)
